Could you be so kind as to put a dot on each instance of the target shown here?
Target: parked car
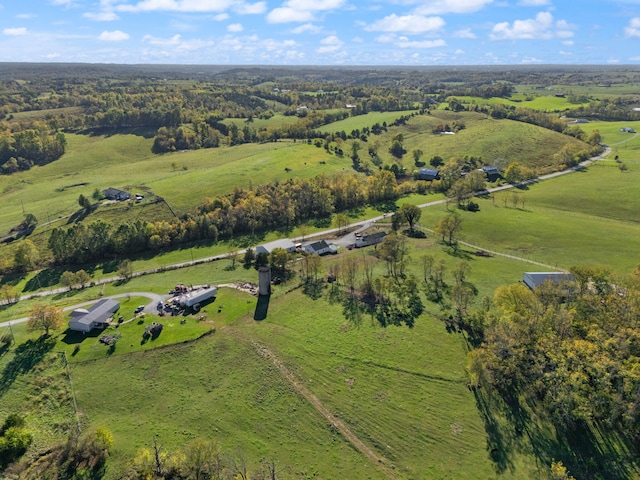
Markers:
(138, 309)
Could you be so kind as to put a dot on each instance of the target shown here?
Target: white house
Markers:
(95, 317)
(321, 247)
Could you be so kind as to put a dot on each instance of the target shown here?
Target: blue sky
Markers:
(322, 32)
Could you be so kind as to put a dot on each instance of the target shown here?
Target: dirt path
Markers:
(380, 462)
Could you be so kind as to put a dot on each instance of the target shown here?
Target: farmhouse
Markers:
(371, 239)
(96, 317)
(535, 279)
(115, 194)
(492, 172)
(321, 247)
(428, 174)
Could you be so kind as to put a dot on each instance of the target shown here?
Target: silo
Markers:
(264, 281)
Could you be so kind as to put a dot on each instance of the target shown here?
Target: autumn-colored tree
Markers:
(44, 317)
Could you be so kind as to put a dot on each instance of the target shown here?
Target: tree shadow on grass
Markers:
(313, 289)
(27, 356)
(587, 452)
(43, 279)
(12, 279)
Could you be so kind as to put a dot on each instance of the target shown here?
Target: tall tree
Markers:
(411, 214)
(44, 317)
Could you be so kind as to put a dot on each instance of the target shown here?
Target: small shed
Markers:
(95, 317)
(116, 194)
(321, 247)
(535, 279)
(428, 174)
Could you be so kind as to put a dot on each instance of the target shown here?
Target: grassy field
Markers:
(410, 404)
(492, 140)
(544, 103)
(359, 122)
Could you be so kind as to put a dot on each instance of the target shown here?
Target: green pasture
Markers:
(217, 388)
(610, 131)
(495, 141)
(544, 103)
(184, 179)
(358, 122)
(277, 121)
(557, 226)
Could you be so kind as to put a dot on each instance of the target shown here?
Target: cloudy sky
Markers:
(321, 32)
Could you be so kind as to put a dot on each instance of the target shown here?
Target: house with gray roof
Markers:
(97, 316)
(535, 279)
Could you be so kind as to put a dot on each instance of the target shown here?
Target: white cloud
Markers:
(250, 8)
(25, 16)
(286, 15)
(235, 27)
(404, 42)
(565, 53)
(177, 43)
(14, 32)
(633, 29)
(307, 28)
(330, 44)
(302, 10)
(221, 17)
(568, 43)
(541, 28)
(464, 33)
(115, 36)
(529, 60)
(410, 24)
(101, 16)
(176, 6)
(439, 7)
(533, 3)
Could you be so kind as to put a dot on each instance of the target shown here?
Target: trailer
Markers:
(197, 296)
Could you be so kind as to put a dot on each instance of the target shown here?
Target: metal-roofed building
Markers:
(535, 279)
(95, 317)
